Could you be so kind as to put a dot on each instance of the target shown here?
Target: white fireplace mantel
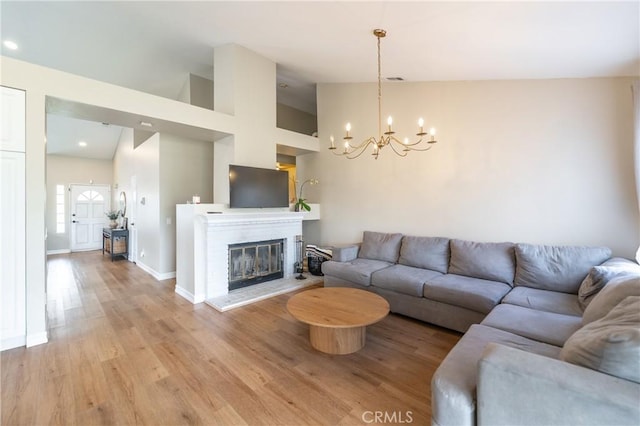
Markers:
(213, 233)
(217, 220)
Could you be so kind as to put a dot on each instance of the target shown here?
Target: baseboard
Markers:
(12, 342)
(160, 276)
(188, 295)
(165, 275)
(37, 339)
(60, 251)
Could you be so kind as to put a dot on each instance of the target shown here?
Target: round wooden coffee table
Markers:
(337, 316)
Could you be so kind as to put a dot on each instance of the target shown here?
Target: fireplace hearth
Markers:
(255, 262)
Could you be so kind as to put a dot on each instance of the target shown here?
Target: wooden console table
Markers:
(115, 242)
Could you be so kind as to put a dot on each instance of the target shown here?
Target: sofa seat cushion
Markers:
(546, 327)
(544, 300)
(556, 268)
(453, 386)
(611, 344)
(487, 261)
(380, 246)
(358, 271)
(403, 279)
(471, 293)
(519, 388)
(425, 252)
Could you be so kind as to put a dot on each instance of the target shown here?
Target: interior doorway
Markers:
(288, 163)
(89, 203)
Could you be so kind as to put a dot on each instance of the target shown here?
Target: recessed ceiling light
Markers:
(146, 124)
(82, 144)
(12, 45)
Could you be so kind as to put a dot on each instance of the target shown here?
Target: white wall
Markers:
(169, 170)
(201, 91)
(64, 170)
(296, 120)
(147, 158)
(245, 86)
(186, 168)
(540, 161)
(123, 167)
(197, 91)
(143, 163)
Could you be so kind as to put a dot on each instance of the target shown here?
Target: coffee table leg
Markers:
(337, 341)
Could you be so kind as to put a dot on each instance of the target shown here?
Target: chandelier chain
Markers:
(379, 91)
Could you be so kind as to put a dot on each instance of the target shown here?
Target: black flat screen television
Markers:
(252, 187)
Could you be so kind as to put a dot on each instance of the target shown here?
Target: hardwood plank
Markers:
(89, 386)
(125, 349)
(20, 385)
(198, 377)
(56, 404)
(111, 412)
(148, 366)
(56, 360)
(168, 403)
(107, 345)
(226, 416)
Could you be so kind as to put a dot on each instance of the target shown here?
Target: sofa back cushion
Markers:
(613, 293)
(380, 246)
(600, 275)
(487, 261)
(556, 268)
(425, 252)
(610, 344)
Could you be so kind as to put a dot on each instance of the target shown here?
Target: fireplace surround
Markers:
(215, 233)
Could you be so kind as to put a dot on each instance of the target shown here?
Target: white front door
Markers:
(88, 206)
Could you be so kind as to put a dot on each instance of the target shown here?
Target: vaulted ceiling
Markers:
(153, 46)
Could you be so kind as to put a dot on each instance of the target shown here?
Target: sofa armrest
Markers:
(345, 253)
(519, 387)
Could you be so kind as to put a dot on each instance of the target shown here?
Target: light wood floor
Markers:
(125, 349)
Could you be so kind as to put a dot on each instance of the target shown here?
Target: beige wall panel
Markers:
(539, 161)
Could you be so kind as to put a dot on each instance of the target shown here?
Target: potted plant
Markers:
(301, 204)
(113, 216)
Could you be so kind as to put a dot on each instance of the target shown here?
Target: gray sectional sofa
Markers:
(552, 333)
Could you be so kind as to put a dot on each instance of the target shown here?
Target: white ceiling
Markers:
(153, 46)
(65, 133)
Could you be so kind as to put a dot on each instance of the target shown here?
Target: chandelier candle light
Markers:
(387, 138)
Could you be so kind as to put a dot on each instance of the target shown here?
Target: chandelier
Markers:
(387, 138)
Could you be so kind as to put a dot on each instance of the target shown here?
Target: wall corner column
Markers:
(36, 259)
(244, 86)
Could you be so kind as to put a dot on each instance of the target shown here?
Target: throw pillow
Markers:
(487, 261)
(599, 276)
(556, 268)
(380, 246)
(613, 293)
(425, 252)
(611, 344)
